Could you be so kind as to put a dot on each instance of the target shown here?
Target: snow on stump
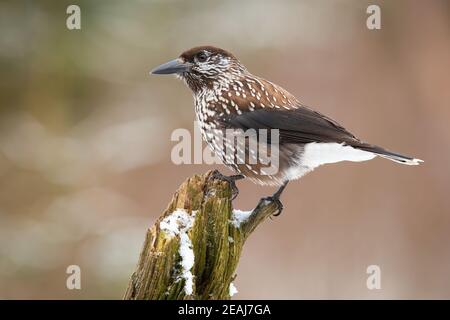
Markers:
(193, 249)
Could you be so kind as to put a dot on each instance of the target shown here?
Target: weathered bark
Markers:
(217, 244)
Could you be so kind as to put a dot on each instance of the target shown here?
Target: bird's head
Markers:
(203, 67)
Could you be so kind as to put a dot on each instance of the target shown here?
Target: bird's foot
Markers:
(231, 180)
(277, 203)
(275, 198)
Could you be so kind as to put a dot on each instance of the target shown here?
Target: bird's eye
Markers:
(201, 57)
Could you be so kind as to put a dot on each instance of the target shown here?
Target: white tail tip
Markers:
(414, 162)
(402, 160)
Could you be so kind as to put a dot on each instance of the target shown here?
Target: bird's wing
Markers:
(299, 125)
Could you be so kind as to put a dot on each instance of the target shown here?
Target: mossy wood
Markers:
(216, 242)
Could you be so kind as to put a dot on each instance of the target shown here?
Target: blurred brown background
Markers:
(85, 142)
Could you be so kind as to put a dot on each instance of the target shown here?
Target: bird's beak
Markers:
(174, 66)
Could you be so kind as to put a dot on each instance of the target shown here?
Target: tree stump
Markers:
(193, 249)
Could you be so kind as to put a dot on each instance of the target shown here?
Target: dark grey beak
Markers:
(174, 66)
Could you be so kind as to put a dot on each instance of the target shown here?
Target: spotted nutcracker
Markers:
(228, 96)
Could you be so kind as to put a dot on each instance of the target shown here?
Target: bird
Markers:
(229, 98)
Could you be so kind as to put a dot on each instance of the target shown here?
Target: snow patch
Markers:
(179, 223)
(239, 217)
(232, 291)
(176, 222)
(187, 262)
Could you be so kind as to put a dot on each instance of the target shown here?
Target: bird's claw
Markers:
(234, 190)
(231, 181)
(275, 200)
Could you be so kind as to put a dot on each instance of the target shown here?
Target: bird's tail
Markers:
(388, 154)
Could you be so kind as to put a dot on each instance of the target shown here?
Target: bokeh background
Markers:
(85, 144)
